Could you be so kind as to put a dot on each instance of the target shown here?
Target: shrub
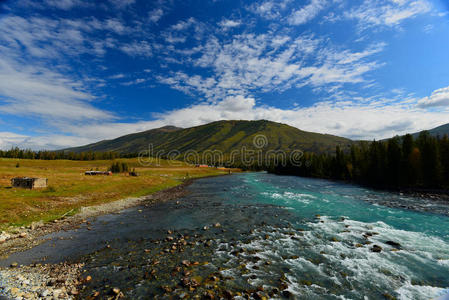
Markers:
(119, 167)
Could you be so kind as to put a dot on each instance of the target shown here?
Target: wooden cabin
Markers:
(29, 182)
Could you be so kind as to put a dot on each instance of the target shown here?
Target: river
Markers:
(262, 235)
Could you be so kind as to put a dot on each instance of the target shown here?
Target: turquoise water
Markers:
(282, 236)
(419, 271)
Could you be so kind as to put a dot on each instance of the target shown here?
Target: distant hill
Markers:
(225, 136)
(440, 130)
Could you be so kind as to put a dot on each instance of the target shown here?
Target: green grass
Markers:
(69, 189)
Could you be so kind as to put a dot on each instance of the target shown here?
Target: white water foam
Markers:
(355, 268)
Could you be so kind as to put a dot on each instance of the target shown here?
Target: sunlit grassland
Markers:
(69, 189)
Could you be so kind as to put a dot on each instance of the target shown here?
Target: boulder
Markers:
(376, 248)
(393, 244)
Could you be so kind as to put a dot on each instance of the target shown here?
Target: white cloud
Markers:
(64, 4)
(33, 75)
(33, 91)
(438, 98)
(183, 25)
(141, 48)
(43, 142)
(122, 3)
(117, 76)
(387, 12)
(134, 82)
(307, 13)
(270, 62)
(155, 15)
(269, 9)
(227, 24)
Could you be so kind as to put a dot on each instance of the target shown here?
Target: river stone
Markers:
(376, 248)
(393, 244)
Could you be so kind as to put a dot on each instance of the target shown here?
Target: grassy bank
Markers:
(69, 189)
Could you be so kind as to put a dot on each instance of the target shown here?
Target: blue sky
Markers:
(74, 72)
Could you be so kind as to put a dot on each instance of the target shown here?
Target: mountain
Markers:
(225, 136)
(440, 130)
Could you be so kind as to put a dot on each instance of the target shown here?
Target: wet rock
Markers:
(286, 293)
(74, 292)
(14, 265)
(393, 244)
(14, 291)
(376, 248)
(185, 263)
(389, 297)
(208, 295)
(228, 295)
(306, 282)
(45, 293)
(166, 288)
(217, 225)
(4, 237)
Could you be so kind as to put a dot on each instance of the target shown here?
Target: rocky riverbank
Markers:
(19, 239)
(58, 281)
(40, 281)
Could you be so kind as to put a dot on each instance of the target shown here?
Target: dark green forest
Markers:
(52, 155)
(400, 162)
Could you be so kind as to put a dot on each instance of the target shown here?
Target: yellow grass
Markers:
(69, 189)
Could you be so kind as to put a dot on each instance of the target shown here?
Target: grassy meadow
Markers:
(69, 189)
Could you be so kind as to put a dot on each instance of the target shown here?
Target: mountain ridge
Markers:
(439, 130)
(224, 135)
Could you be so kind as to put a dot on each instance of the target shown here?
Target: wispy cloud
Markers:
(122, 3)
(387, 12)
(269, 9)
(141, 48)
(37, 91)
(64, 4)
(228, 23)
(267, 62)
(155, 15)
(438, 98)
(307, 13)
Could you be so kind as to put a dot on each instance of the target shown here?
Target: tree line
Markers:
(53, 155)
(400, 162)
